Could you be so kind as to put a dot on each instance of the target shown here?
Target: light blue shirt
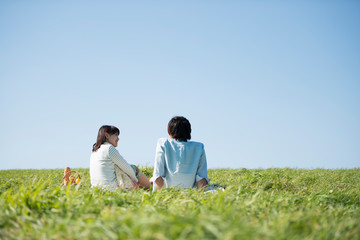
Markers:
(180, 164)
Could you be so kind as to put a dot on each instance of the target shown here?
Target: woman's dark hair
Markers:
(101, 137)
(179, 128)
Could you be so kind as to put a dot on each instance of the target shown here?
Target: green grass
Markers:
(257, 204)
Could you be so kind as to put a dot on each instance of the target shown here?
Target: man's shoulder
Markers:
(162, 140)
(197, 144)
(171, 142)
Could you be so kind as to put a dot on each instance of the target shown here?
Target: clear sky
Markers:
(263, 83)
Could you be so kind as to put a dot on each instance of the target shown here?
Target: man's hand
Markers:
(159, 183)
(202, 183)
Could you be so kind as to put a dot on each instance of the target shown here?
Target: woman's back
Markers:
(102, 171)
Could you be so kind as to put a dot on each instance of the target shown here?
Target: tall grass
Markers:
(257, 204)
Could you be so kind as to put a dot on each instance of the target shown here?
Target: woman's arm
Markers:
(121, 163)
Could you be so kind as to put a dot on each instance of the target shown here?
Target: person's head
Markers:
(179, 128)
(108, 134)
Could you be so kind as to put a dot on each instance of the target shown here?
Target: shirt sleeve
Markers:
(202, 168)
(121, 163)
(159, 166)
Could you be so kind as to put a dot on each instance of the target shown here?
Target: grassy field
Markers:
(257, 204)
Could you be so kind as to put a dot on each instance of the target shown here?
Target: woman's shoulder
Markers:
(103, 152)
(104, 147)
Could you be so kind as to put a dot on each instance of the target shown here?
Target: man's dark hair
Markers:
(179, 128)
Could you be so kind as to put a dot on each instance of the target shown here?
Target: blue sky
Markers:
(263, 83)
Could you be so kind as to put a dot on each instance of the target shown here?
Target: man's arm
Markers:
(159, 182)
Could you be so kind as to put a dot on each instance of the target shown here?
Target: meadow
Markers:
(256, 204)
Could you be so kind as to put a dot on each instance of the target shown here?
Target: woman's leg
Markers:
(143, 181)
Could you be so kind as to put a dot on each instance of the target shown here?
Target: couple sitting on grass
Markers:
(178, 162)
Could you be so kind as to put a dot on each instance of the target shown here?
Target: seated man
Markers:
(179, 162)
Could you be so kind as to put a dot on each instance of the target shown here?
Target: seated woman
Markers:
(106, 162)
(179, 162)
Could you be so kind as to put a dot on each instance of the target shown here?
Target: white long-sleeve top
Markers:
(102, 167)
